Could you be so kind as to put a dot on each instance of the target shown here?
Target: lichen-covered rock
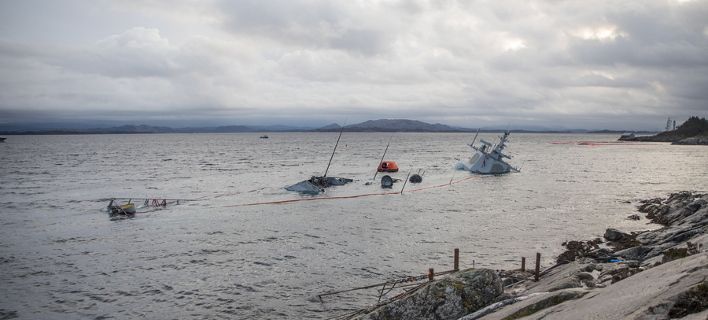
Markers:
(691, 301)
(510, 277)
(456, 295)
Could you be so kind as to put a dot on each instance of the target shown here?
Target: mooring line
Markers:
(206, 197)
(344, 197)
(441, 185)
(311, 199)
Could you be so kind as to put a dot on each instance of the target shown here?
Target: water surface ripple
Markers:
(61, 257)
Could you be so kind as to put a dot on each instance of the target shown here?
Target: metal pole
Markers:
(475, 137)
(404, 182)
(523, 263)
(382, 158)
(335, 149)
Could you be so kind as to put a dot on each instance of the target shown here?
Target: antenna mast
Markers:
(382, 157)
(333, 151)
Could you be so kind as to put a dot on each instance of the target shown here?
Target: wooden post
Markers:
(538, 266)
(456, 263)
(523, 263)
(431, 274)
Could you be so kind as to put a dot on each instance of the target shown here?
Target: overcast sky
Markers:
(574, 64)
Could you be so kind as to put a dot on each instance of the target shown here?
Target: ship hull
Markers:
(482, 164)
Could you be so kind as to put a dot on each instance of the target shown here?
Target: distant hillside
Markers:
(394, 125)
(381, 125)
(330, 127)
(126, 129)
(136, 129)
(693, 131)
(605, 131)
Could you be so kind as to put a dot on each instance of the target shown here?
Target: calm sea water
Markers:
(62, 257)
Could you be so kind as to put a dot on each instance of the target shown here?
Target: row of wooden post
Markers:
(537, 271)
(456, 265)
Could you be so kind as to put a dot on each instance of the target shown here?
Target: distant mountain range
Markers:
(381, 125)
(393, 125)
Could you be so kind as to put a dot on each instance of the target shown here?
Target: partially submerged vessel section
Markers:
(317, 185)
(116, 209)
(489, 158)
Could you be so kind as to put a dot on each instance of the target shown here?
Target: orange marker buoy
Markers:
(388, 166)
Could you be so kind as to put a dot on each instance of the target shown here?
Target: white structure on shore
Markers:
(488, 158)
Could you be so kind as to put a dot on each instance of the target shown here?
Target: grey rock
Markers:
(634, 217)
(567, 283)
(591, 267)
(698, 140)
(584, 276)
(449, 298)
(634, 253)
(612, 234)
(586, 279)
(676, 285)
(533, 304)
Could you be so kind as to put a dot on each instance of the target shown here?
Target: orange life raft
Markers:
(388, 166)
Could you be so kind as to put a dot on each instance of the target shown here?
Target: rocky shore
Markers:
(692, 132)
(657, 274)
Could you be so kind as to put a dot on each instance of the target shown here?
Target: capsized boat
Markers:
(115, 209)
(488, 158)
(316, 185)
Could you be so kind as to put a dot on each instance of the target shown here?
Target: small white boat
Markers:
(488, 158)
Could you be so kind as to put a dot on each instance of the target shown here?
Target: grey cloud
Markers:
(311, 24)
(657, 35)
(455, 61)
(138, 52)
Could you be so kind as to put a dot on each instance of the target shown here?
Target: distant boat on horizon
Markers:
(264, 137)
(2, 139)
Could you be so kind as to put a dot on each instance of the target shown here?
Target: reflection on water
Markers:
(60, 254)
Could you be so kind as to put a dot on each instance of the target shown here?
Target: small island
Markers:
(692, 132)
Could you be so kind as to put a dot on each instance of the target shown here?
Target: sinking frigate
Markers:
(488, 158)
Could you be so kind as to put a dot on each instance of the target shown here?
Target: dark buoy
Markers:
(386, 182)
(416, 178)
